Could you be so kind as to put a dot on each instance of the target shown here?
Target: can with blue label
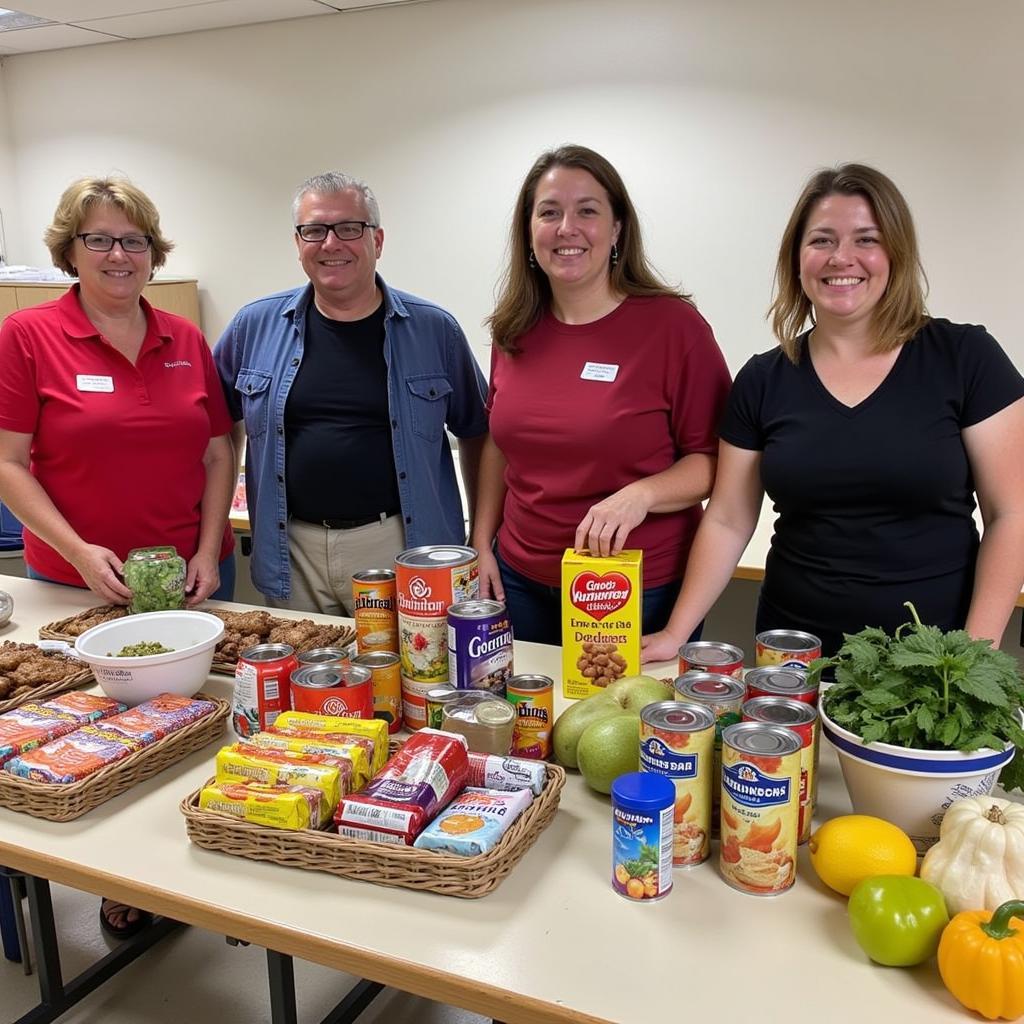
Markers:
(760, 807)
(677, 740)
(479, 646)
(642, 804)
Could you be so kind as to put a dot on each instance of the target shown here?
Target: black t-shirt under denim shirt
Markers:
(875, 503)
(338, 455)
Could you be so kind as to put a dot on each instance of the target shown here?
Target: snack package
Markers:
(87, 707)
(156, 718)
(492, 771)
(354, 751)
(289, 807)
(414, 785)
(474, 821)
(72, 757)
(375, 729)
(30, 725)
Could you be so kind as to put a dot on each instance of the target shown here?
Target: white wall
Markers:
(715, 112)
(9, 193)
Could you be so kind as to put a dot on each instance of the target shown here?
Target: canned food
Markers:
(436, 699)
(386, 685)
(711, 656)
(428, 580)
(770, 681)
(479, 646)
(324, 656)
(642, 804)
(533, 698)
(337, 690)
(485, 720)
(373, 600)
(677, 740)
(262, 690)
(760, 807)
(788, 648)
(801, 718)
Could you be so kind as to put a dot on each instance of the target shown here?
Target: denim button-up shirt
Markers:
(433, 383)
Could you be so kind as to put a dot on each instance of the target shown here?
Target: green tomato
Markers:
(897, 919)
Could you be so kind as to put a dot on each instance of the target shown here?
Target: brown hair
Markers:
(524, 291)
(85, 193)
(901, 311)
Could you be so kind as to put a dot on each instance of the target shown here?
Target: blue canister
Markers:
(642, 808)
(479, 646)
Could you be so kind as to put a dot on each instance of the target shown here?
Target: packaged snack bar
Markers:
(156, 718)
(31, 725)
(242, 762)
(72, 757)
(375, 729)
(474, 821)
(492, 771)
(290, 807)
(87, 707)
(352, 751)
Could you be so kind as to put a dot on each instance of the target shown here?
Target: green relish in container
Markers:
(156, 578)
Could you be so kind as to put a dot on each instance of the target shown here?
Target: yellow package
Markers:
(291, 807)
(375, 729)
(355, 753)
(243, 763)
(601, 620)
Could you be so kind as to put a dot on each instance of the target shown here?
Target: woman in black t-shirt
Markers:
(872, 432)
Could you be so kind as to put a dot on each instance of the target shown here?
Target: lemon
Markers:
(855, 846)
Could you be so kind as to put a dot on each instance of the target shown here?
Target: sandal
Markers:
(128, 928)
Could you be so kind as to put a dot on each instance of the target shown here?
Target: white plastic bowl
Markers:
(910, 787)
(183, 670)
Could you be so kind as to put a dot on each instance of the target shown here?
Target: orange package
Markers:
(72, 757)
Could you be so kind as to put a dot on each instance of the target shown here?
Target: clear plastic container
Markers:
(485, 720)
(156, 578)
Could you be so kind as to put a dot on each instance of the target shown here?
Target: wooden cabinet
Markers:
(174, 294)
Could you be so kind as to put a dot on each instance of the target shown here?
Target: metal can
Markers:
(485, 720)
(642, 804)
(479, 646)
(677, 740)
(375, 612)
(533, 697)
(436, 699)
(711, 656)
(770, 681)
(336, 690)
(802, 718)
(787, 648)
(724, 695)
(262, 687)
(760, 807)
(386, 685)
(428, 581)
(324, 656)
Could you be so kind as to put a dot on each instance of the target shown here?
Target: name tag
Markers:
(89, 382)
(599, 371)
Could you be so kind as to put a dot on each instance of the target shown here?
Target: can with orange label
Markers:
(788, 648)
(772, 681)
(534, 700)
(333, 690)
(375, 610)
(387, 686)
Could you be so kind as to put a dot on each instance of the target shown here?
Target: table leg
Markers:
(281, 976)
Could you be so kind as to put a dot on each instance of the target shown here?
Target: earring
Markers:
(532, 261)
(615, 254)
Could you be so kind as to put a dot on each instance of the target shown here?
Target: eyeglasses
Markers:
(346, 230)
(104, 243)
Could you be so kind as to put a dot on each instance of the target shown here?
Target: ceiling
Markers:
(67, 23)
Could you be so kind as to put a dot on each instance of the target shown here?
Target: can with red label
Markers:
(771, 681)
(786, 648)
(533, 697)
(479, 646)
(336, 690)
(262, 689)
(387, 686)
(711, 656)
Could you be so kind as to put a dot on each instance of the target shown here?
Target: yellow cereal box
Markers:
(601, 623)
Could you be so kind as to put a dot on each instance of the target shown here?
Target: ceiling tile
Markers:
(75, 10)
(53, 37)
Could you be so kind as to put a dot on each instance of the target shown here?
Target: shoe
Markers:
(129, 928)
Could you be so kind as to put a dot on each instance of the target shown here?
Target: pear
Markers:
(570, 724)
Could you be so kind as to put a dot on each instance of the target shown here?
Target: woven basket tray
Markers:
(382, 863)
(62, 802)
(47, 690)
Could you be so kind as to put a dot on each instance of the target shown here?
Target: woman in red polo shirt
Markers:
(114, 432)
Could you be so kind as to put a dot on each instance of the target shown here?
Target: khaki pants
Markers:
(323, 561)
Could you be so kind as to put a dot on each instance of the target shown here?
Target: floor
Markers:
(195, 976)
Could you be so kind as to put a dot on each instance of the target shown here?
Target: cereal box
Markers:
(601, 623)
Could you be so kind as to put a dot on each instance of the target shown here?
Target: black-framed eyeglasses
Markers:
(104, 243)
(346, 230)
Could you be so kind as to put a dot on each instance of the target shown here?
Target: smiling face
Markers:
(117, 276)
(844, 266)
(342, 273)
(573, 229)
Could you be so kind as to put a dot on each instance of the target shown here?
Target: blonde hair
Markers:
(900, 312)
(80, 196)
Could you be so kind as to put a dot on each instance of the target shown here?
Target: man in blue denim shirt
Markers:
(344, 388)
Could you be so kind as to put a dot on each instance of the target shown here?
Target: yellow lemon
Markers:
(854, 846)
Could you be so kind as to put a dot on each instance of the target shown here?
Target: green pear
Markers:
(608, 748)
(570, 724)
(634, 693)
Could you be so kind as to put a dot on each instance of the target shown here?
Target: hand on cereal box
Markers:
(608, 524)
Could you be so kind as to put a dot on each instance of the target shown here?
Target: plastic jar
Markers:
(156, 578)
(642, 808)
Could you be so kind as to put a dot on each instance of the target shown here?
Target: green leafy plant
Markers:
(927, 689)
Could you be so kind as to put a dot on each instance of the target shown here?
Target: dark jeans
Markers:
(536, 608)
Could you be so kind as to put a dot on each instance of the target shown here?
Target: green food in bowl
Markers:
(141, 649)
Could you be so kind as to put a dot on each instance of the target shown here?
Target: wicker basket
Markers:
(46, 690)
(62, 802)
(381, 863)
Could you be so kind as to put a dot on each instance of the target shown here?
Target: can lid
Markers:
(476, 608)
(494, 712)
(758, 738)
(678, 716)
(779, 711)
(710, 652)
(779, 680)
(788, 640)
(643, 791)
(710, 687)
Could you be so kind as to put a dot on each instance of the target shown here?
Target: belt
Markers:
(350, 524)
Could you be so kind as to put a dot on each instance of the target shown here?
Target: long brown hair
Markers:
(900, 312)
(524, 290)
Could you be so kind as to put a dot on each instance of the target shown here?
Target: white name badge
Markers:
(89, 382)
(599, 371)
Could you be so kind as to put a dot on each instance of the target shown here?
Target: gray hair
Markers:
(336, 181)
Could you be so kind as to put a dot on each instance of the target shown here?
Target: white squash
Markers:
(978, 862)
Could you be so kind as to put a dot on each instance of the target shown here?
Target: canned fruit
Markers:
(856, 846)
(789, 648)
(609, 748)
(711, 656)
(642, 835)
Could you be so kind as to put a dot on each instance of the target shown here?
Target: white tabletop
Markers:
(553, 943)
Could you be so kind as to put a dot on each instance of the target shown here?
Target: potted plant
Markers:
(921, 719)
